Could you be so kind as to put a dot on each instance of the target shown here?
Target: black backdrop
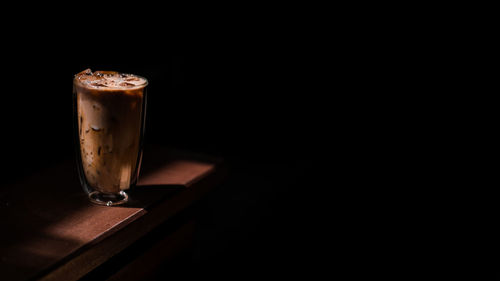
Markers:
(246, 87)
(242, 82)
(239, 103)
(242, 101)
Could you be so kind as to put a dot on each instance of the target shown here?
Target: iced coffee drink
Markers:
(110, 109)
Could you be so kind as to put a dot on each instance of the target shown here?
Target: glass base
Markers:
(108, 199)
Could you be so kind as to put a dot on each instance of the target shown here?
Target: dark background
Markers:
(242, 100)
(263, 88)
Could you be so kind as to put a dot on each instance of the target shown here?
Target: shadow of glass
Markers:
(146, 196)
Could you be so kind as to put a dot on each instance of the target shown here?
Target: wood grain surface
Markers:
(51, 231)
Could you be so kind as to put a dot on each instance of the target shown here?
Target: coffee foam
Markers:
(110, 80)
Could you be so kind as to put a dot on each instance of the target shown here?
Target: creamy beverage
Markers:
(109, 108)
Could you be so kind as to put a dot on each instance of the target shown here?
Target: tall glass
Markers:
(109, 115)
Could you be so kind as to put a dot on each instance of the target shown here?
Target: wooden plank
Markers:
(54, 233)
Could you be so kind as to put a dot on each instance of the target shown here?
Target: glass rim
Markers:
(136, 87)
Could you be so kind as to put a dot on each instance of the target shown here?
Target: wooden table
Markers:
(50, 230)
